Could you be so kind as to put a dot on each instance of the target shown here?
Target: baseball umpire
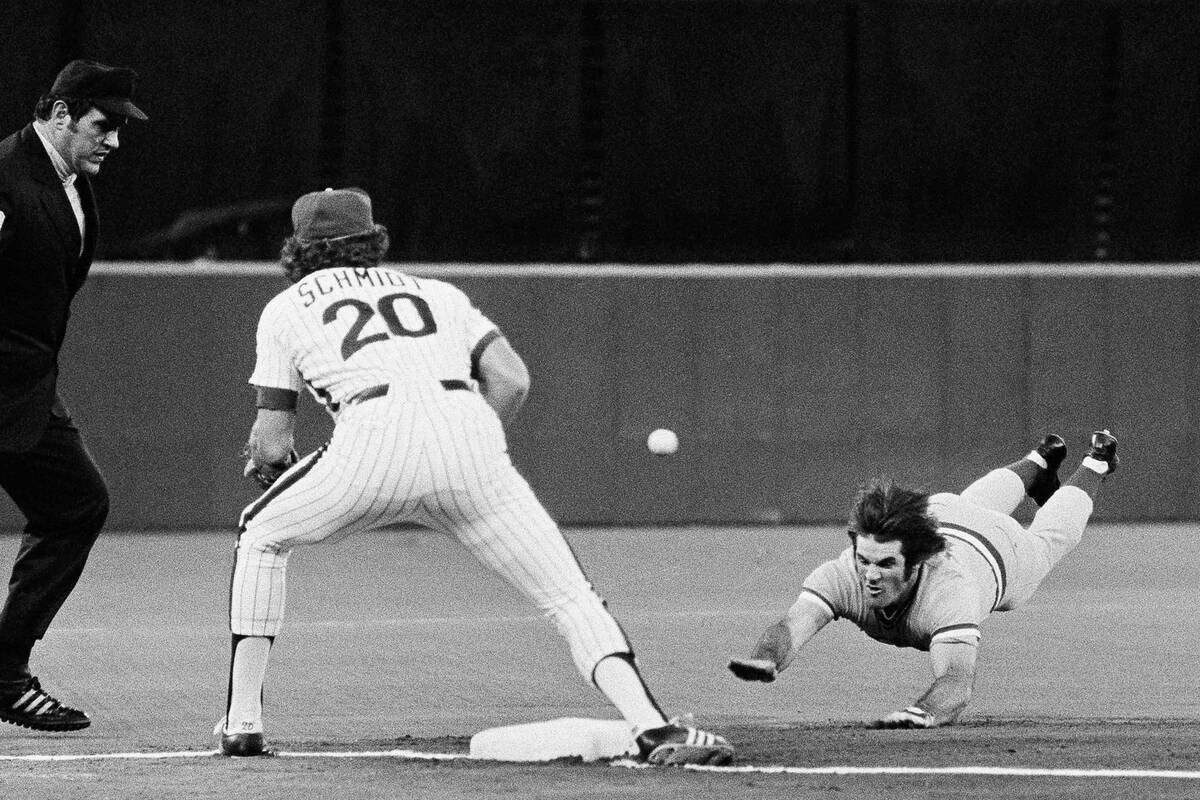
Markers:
(48, 229)
(924, 571)
(420, 383)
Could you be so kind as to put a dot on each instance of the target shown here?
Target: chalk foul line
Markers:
(1016, 772)
(414, 755)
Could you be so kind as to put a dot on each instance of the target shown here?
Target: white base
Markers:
(566, 737)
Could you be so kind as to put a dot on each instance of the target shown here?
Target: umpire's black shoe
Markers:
(30, 707)
(1104, 448)
(244, 745)
(1053, 449)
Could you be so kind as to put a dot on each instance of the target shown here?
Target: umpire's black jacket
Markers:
(41, 269)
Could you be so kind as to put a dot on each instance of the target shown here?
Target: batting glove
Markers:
(754, 669)
(911, 717)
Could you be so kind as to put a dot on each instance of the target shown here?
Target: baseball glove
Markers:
(266, 474)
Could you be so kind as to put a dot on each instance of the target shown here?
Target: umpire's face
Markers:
(87, 141)
(881, 572)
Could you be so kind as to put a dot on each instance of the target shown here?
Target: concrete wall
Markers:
(787, 385)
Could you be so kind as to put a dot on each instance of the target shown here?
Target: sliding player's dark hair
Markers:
(887, 511)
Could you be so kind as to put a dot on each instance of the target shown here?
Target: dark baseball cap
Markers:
(332, 214)
(109, 88)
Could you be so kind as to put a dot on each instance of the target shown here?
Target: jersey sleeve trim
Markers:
(963, 631)
(480, 346)
(816, 597)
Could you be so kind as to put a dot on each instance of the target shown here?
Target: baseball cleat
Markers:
(1104, 448)
(675, 745)
(31, 707)
(1053, 449)
(244, 745)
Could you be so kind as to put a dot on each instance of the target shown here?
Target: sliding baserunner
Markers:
(924, 571)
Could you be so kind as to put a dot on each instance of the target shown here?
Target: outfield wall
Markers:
(787, 385)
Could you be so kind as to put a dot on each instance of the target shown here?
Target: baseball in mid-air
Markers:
(662, 442)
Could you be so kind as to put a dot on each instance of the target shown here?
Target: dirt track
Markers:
(398, 640)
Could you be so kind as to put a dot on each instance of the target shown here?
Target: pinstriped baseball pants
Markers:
(436, 459)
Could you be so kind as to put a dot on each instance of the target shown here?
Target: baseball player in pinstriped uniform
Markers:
(924, 571)
(419, 382)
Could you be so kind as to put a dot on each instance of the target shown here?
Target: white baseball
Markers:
(662, 442)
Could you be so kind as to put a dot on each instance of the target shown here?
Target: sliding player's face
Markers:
(881, 571)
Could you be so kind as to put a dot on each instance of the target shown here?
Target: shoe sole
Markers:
(675, 754)
(45, 726)
(260, 754)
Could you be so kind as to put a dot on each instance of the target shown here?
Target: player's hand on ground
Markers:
(754, 669)
(911, 717)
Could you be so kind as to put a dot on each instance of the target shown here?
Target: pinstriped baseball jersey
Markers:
(340, 331)
(393, 357)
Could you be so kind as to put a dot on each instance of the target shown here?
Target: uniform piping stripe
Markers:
(480, 346)
(942, 633)
(280, 485)
(986, 549)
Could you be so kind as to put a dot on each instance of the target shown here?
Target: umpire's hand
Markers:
(754, 669)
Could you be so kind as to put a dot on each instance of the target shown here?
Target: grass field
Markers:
(398, 647)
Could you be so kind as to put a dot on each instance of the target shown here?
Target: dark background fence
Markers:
(648, 131)
(787, 387)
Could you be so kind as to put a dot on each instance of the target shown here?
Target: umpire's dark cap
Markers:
(109, 88)
(332, 214)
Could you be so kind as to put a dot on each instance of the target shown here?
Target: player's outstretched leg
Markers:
(1039, 470)
(1100, 462)
(241, 729)
(1035, 476)
(1058, 526)
(659, 740)
(509, 531)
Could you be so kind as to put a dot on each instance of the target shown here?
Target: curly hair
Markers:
(299, 257)
(887, 512)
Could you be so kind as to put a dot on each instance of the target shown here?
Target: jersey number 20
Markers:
(386, 308)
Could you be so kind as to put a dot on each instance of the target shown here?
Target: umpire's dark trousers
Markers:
(58, 488)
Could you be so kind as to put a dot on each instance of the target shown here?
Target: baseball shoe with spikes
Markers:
(244, 745)
(31, 707)
(1053, 450)
(1104, 448)
(674, 744)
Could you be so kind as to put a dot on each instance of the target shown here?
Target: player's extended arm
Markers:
(779, 643)
(503, 379)
(953, 663)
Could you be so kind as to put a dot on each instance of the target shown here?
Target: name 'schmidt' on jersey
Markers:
(343, 330)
